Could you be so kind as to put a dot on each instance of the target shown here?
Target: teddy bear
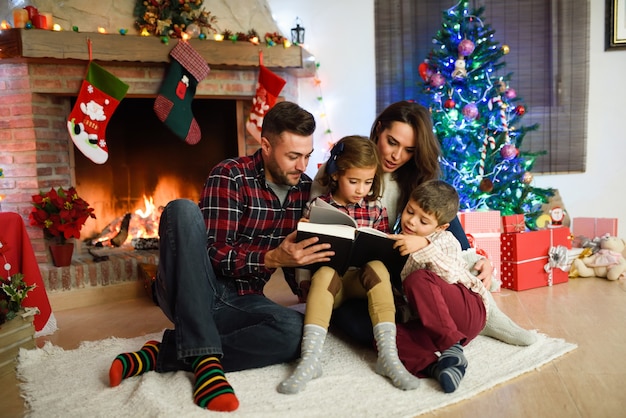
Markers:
(607, 262)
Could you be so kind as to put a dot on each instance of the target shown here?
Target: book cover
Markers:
(353, 246)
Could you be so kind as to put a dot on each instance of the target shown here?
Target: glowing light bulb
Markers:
(56, 27)
(101, 30)
(218, 37)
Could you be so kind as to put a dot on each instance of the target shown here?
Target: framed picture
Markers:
(615, 24)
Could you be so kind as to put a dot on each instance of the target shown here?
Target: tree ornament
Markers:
(527, 177)
(520, 110)
(466, 47)
(500, 86)
(505, 49)
(423, 70)
(437, 80)
(508, 152)
(449, 104)
(470, 111)
(510, 94)
(459, 72)
(486, 185)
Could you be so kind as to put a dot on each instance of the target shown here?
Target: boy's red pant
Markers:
(448, 313)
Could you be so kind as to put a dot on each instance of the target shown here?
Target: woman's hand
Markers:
(485, 271)
(408, 244)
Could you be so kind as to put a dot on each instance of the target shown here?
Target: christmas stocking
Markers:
(98, 98)
(267, 90)
(173, 104)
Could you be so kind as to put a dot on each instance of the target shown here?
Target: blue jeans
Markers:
(209, 316)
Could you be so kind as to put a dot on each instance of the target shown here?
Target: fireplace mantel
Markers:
(17, 45)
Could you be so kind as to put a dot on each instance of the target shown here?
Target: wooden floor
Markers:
(588, 382)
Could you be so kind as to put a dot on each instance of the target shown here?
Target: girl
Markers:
(353, 178)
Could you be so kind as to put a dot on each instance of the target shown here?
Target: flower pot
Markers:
(15, 334)
(62, 254)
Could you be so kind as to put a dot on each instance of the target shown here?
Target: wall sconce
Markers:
(297, 33)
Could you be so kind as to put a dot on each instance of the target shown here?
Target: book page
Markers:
(334, 230)
(325, 213)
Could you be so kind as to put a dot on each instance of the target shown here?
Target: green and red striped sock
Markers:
(211, 390)
(133, 364)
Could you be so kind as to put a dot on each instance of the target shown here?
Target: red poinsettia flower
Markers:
(60, 213)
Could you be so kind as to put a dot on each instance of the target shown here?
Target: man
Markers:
(216, 258)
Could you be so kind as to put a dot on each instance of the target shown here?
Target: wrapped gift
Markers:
(483, 230)
(594, 227)
(480, 221)
(513, 223)
(535, 258)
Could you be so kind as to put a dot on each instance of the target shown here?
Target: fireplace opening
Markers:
(149, 166)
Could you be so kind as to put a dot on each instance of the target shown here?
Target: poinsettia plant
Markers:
(60, 213)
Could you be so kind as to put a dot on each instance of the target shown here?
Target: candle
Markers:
(20, 17)
(40, 21)
(49, 20)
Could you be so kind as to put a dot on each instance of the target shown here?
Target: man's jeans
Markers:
(209, 316)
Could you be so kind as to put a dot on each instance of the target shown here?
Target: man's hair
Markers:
(287, 117)
(436, 197)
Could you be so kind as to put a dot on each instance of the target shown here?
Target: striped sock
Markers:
(211, 390)
(452, 357)
(133, 364)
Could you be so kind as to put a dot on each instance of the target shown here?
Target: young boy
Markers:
(452, 304)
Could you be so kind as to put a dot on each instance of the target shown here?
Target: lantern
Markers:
(297, 33)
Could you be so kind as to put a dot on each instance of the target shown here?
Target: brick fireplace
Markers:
(36, 93)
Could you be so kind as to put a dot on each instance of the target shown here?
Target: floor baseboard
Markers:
(99, 295)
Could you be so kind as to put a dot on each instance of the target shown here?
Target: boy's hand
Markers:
(408, 244)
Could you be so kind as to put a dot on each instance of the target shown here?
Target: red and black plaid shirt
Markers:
(365, 213)
(245, 219)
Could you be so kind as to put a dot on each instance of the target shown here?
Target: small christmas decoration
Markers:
(99, 96)
(171, 18)
(267, 90)
(173, 104)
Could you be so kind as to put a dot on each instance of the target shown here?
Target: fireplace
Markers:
(147, 161)
(37, 95)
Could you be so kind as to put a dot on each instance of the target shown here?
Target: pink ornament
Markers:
(510, 94)
(466, 47)
(437, 80)
(508, 152)
(470, 111)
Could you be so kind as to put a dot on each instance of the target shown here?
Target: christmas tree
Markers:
(477, 118)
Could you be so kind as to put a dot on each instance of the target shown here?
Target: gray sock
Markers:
(388, 363)
(309, 366)
(501, 327)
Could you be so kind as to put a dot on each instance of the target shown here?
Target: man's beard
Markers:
(279, 176)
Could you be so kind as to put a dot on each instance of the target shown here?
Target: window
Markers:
(548, 59)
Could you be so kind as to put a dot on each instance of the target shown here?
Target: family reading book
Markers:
(353, 246)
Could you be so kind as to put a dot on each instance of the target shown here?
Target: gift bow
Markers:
(557, 258)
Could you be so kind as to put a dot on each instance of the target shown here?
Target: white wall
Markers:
(341, 36)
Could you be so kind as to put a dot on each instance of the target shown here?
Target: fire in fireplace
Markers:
(149, 166)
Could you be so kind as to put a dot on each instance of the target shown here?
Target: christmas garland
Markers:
(172, 18)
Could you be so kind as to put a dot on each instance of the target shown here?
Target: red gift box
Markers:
(480, 221)
(525, 258)
(513, 223)
(484, 229)
(594, 227)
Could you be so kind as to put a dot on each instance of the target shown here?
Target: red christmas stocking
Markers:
(173, 104)
(99, 96)
(267, 90)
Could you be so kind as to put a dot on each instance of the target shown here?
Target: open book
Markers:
(353, 246)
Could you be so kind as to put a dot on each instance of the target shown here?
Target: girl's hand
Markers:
(408, 244)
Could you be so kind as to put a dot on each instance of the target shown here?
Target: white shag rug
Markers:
(74, 383)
